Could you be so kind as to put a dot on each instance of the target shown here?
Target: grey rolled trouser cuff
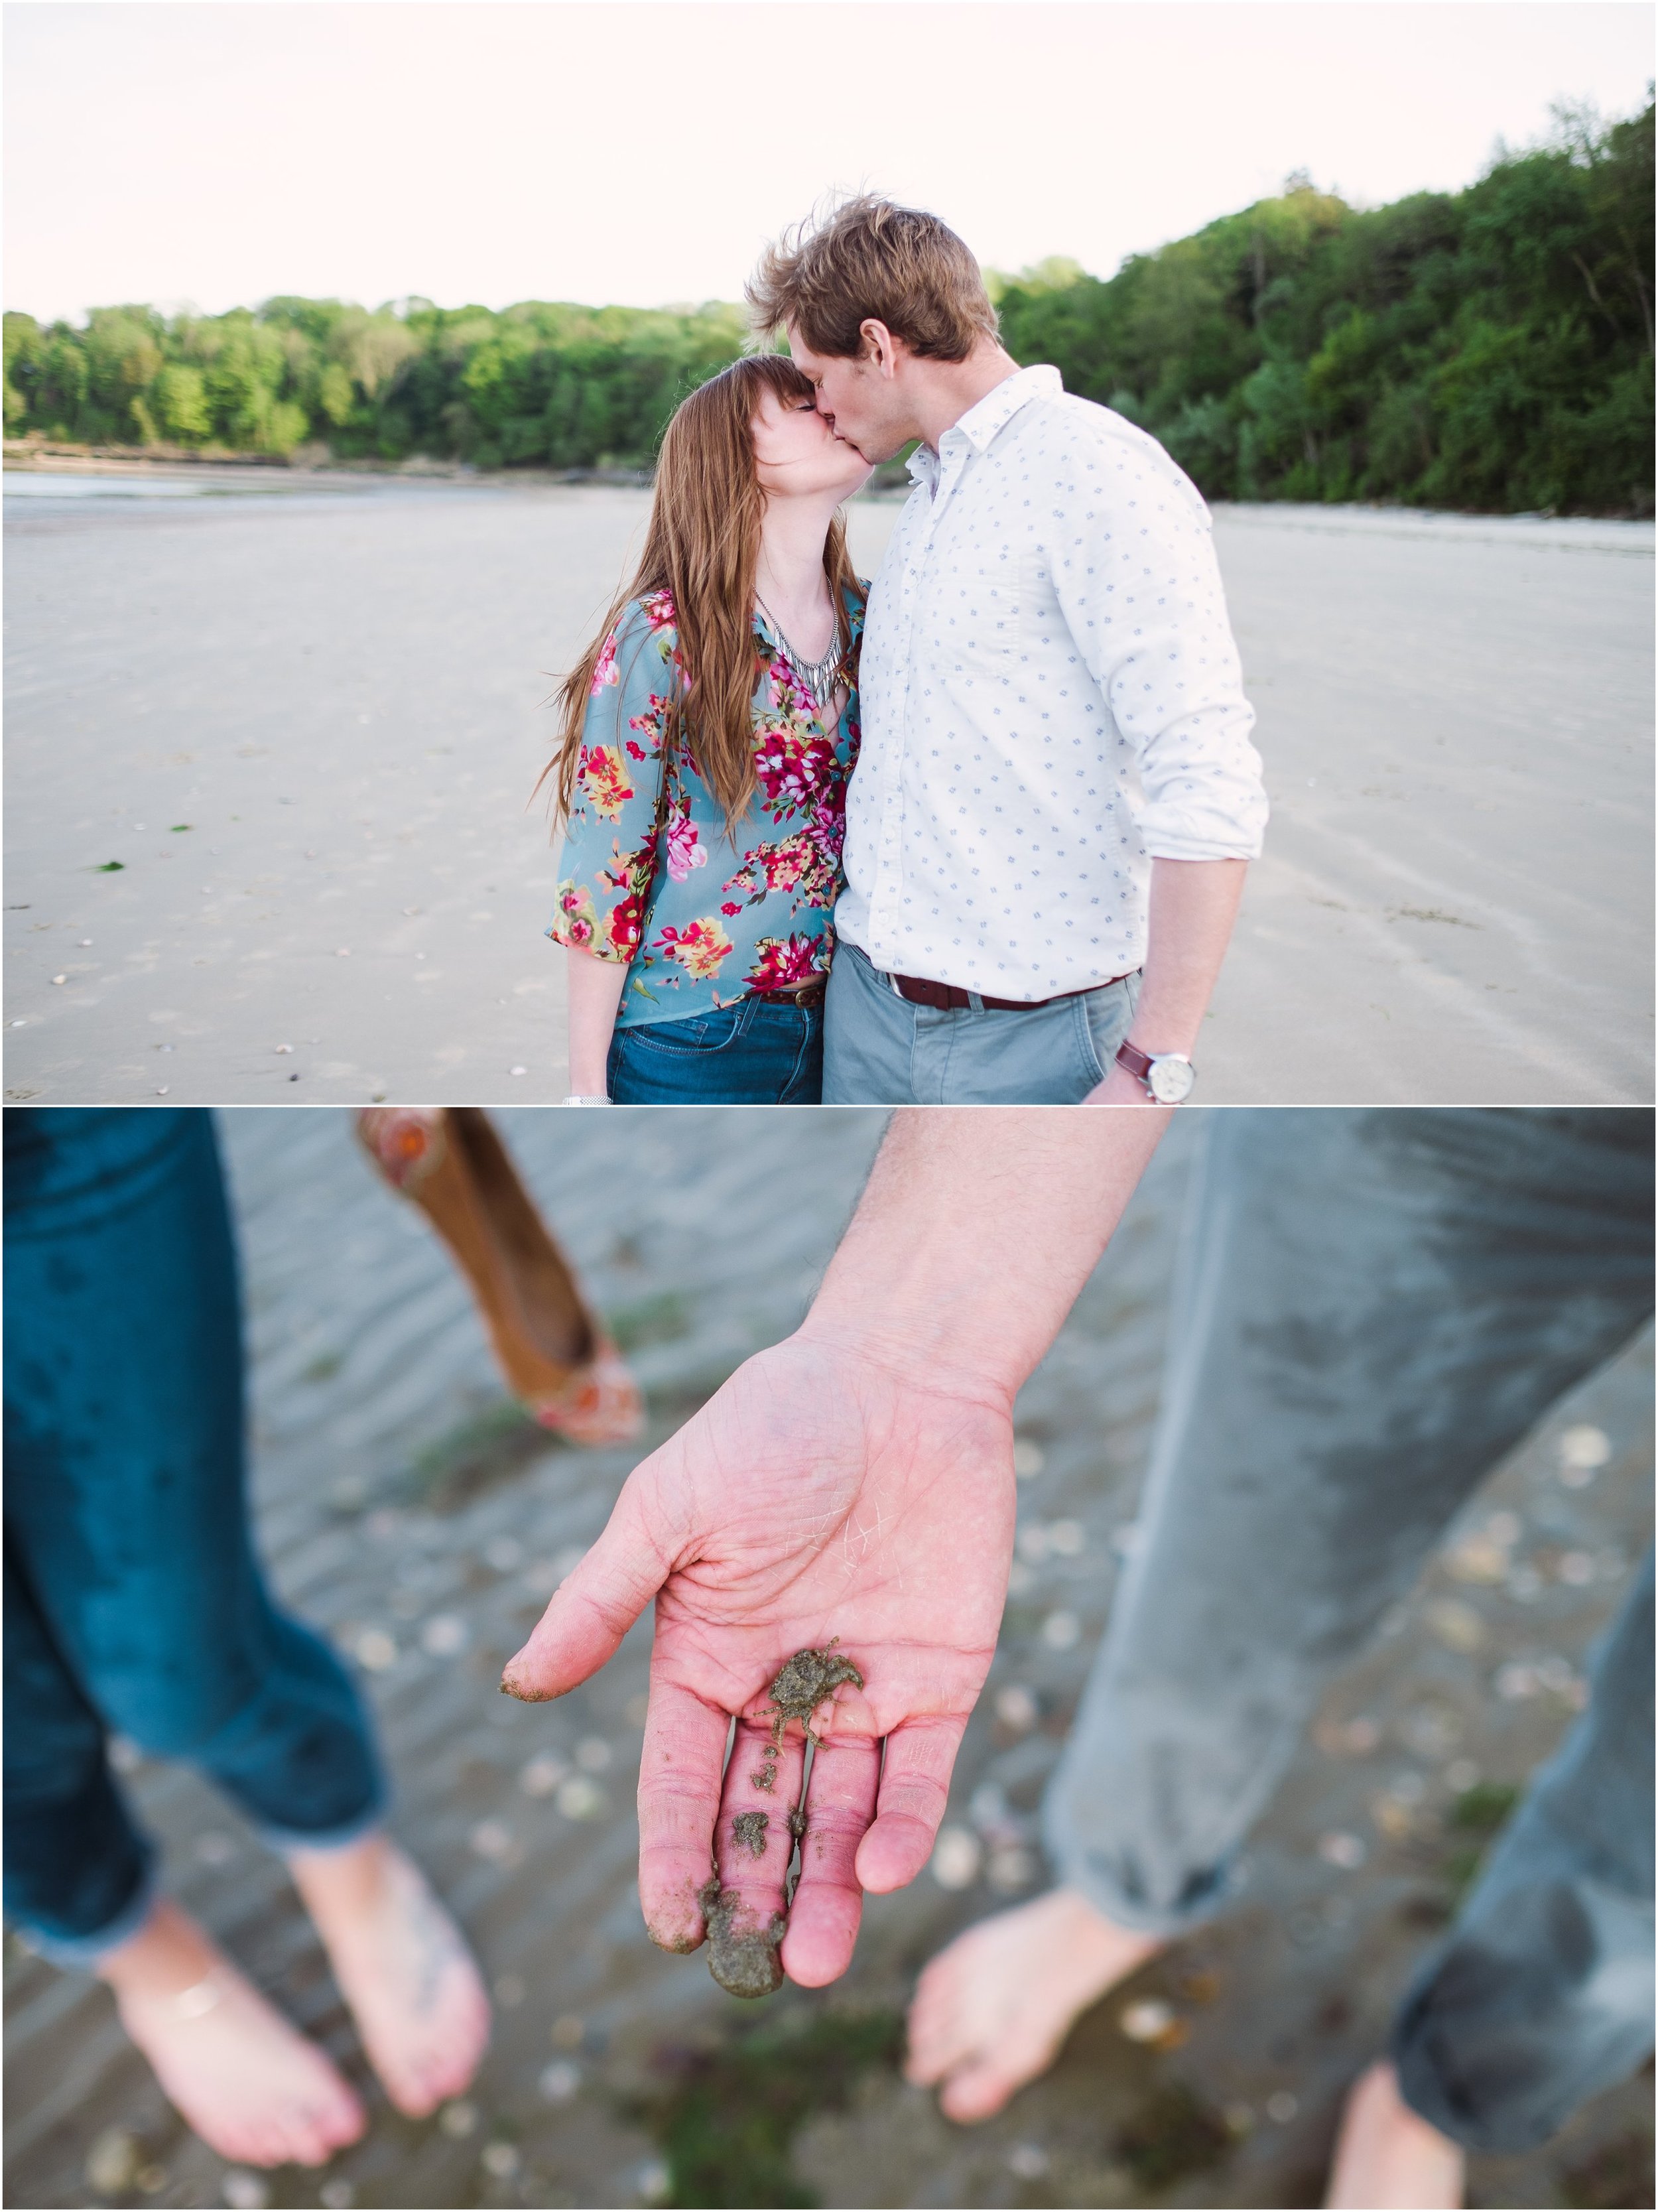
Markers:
(1542, 1993)
(1369, 1310)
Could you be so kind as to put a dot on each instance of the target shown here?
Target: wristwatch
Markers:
(1167, 1076)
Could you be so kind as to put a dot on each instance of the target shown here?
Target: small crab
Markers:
(806, 1682)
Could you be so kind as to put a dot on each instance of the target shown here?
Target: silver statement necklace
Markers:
(816, 677)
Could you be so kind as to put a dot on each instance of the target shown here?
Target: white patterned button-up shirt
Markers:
(1052, 699)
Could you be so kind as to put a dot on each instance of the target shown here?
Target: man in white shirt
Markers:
(1057, 797)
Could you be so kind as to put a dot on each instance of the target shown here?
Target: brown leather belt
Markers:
(918, 992)
(803, 994)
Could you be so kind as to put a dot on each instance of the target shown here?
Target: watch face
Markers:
(1171, 1079)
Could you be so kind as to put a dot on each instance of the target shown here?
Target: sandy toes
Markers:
(992, 2011)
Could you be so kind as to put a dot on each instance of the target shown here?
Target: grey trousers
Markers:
(1370, 1309)
(878, 1050)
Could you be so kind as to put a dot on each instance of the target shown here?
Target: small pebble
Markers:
(569, 2031)
(113, 2161)
(338, 2193)
(1029, 1459)
(1341, 1848)
(1282, 2108)
(956, 1858)
(1012, 1867)
(541, 1776)
(244, 2191)
(459, 2118)
(1029, 2160)
(1061, 1631)
(594, 1754)
(518, 1070)
(559, 2082)
(444, 1636)
(1146, 2020)
(490, 1839)
(1066, 1539)
(502, 2161)
(376, 1651)
(579, 1799)
(1016, 1708)
(1583, 1450)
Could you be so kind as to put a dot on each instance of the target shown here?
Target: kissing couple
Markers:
(974, 832)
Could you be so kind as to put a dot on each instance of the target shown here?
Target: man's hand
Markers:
(819, 1497)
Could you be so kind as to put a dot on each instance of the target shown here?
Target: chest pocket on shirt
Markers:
(981, 611)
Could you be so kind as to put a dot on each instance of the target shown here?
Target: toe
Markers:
(976, 2093)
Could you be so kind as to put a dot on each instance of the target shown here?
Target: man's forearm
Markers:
(977, 1228)
(1194, 905)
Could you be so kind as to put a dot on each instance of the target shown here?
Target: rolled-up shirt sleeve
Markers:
(1148, 613)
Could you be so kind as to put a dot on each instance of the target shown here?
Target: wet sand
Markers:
(399, 1513)
(339, 685)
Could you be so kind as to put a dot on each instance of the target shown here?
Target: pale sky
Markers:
(640, 151)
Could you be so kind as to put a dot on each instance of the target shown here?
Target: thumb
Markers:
(592, 1609)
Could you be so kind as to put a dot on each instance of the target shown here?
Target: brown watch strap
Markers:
(1134, 1060)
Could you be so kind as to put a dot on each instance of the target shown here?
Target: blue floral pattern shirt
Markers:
(713, 916)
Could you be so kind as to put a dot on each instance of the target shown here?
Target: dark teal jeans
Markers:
(134, 1602)
(761, 1052)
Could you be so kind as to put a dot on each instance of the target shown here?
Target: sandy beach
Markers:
(405, 1513)
(271, 740)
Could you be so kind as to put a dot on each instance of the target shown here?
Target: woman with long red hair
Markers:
(706, 735)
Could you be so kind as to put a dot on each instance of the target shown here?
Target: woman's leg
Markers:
(126, 1502)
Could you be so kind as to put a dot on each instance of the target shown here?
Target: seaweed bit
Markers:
(750, 1831)
(743, 1960)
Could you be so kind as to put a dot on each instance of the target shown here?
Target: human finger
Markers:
(829, 1900)
(920, 1756)
(753, 1844)
(593, 1609)
(679, 1782)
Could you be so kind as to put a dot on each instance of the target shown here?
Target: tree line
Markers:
(1490, 349)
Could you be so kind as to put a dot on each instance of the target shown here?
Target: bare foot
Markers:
(248, 2084)
(403, 1966)
(1388, 2159)
(991, 2011)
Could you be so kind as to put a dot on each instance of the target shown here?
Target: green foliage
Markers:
(724, 2120)
(1491, 348)
(1475, 1818)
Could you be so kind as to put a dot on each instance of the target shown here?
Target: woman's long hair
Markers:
(703, 548)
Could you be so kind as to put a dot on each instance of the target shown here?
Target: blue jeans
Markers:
(881, 1051)
(761, 1052)
(134, 1602)
(1371, 1309)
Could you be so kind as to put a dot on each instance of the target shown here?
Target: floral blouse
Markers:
(721, 918)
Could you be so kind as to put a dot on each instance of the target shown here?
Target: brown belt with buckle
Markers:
(810, 993)
(918, 992)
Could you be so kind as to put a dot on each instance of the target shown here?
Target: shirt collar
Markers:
(981, 424)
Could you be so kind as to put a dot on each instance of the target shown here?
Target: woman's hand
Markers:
(817, 1498)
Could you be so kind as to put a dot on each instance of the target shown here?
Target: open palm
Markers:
(817, 1500)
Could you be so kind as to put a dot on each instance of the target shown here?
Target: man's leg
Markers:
(869, 1037)
(1541, 1994)
(1370, 1310)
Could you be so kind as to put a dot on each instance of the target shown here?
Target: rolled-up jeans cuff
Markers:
(339, 1838)
(82, 1953)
